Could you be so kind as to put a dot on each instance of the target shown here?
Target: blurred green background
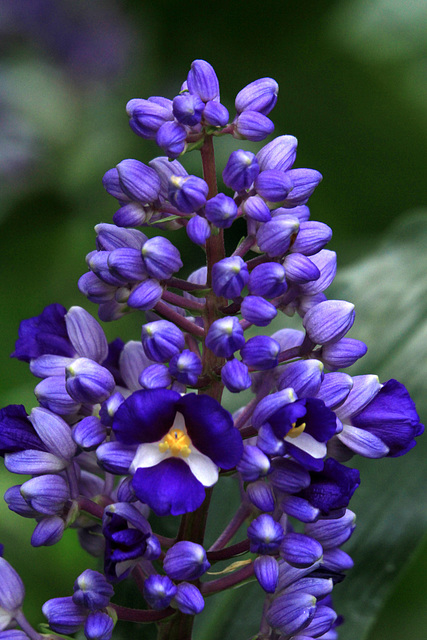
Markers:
(353, 90)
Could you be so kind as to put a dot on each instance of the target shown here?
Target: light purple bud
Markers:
(146, 295)
(187, 193)
(343, 353)
(147, 116)
(289, 476)
(266, 571)
(161, 340)
(185, 561)
(258, 311)
(256, 209)
(95, 289)
(317, 587)
(89, 433)
(261, 352)
(332, 533)
(241, 170)
(225, 336)
(235, 376)
(52, 394)
(364, 389)
(109, 408)
(291, 613)
(337, 560)
(86, 334)
(305, 181)
(127, 263)
(49, 365)
(111, 184)
(305, 303)
(110, 237)
(268, 442)
(268, 280)
(274, 237)
(17, 504)
(321, 622)
(198, 230)
(32, 462)
(159, 591)
(265, 535)
(54, 432)
(300, 551)
(98, 626)
(139, 182)
(300, 269)
(46, 494)
(229, 277)
(329, 321)
(188, 599)
(326, 262)
(215, 114)
(87, 381)
(132, 361)
(171, 138)
(63, 615)
(221, 210)
(115, 457)
(304, 376)
(202, 80)
(261, 495)
(279, 154)
(12, 591)
(260, 95)
(302, 212)
(273, 185)
(253, 126)
(188, 108)
(300, 509)
(312, 237)
(48, 532)
(288, 338)
(13, 634)
(161, 259)
(334, 389)
(253, 463)
(91, 590)
(186, 367)
(97, 261)
(156, 376)
(165, 168)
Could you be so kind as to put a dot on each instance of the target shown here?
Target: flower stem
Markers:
(164, 310)
(140, 615)
(231, 529)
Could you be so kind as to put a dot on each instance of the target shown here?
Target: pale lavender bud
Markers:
(159, 591)
(258, 311)
(86, 335)
(89, 433)
(257, 209)
(321, 622)
(235, 376)
(215, 114)
(202, 80)
(300, 509)
(46, 493)
(364, 389)
(188, 109)
(34, 462)
(332, 533)
(87, 381)
(334, 389)
(171, 138)
(261, 352)
(165, 168)
(161, 258)
(273, 185)
(265, 535)
(261, 495)
(146, 295)
(95, 289)
(17, 504)
(312, 237)
(115, 457)
(300, 550)
(188, 599)
(304, 376)
(266, 571)
(147, 116)
(187, 193)
(186, 367)
(329, 321)
(198, 230)
(52, 394)
(305, 181)
(48, 532)
(253, 463)
(268, 280)
(161, 340)
(98, 626)
(260, 95)
(54, 432)
(110, 237)
(253, 126)
(133, 360)
(112, 310)
(63, 615)
(302, 212)
(288, 338)
(279, 154)
(139, 182)
(111, 184)
(274, 237)
(221, 210)
(326, 262)
(241, 170)
(185, 561)
(229, 277)
(91, 590)
(300, 269)
(343, 353)
(156, 376)
(289, 476)
(291, 613)
(12, 590)
(225, 336)
(127, 263)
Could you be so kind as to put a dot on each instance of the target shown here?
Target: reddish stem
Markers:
(164, 310)
(229, 552)
(141, 615)
(180, 301)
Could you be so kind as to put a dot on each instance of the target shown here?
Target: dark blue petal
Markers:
(282, 420)
(332, 489)
(169, 488)
(211, 429)
(146, 416)
(320, 421)
(304, 458)
(16, 431)
(42, 334)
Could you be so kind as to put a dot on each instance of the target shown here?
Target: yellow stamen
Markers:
(177, 441)
(296, 431)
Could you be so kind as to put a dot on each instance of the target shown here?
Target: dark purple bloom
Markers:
(330, 490)
(16, 431)
(241, 170)
(46, 333)
(265, 534)
(261, 352)
(159, 591)
(182, 442)
(235, 376)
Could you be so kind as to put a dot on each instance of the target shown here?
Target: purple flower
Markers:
(241, 170)
(225, 336)
(46, 333)
(260, 95)
(188, 109)
(187, 193)
(202, 80)
(229, 277)
(182, 441)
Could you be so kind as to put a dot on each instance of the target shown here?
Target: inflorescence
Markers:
(126, 429)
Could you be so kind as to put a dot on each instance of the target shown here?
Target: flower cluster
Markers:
(124, 430)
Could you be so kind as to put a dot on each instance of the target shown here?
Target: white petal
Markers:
(202, 467)
(309, 444)
(148, 454)
(5, 619)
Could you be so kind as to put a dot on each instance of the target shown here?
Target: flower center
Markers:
(177, 441)
(296, 430)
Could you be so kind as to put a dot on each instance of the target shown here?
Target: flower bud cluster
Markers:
(124, 430)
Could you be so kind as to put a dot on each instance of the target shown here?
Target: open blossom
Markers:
(124, 431)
